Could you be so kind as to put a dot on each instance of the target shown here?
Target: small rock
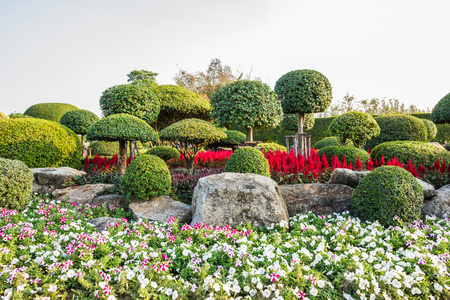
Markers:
(82, 194)
(347, 177)
(118, 201)
(48, 179)
(161, 209)
(428, 189)
(439, 205)
(101, 223)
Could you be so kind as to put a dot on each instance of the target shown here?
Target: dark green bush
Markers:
(104, 148)
(441, 111)
(431, 129)
(351, 154)
(290, 122)
(39, 143)
(418, 152)
(385, 192)
(266, 147)
(330, 141)
(164, 152)
(248, 160)
(79, 120)
(49, 111)
(16, 182)
(146, 177)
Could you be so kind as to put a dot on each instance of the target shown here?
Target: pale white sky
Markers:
(71, 51)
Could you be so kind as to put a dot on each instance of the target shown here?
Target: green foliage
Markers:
(79, 120)
(142, 78)
(351, 154)
(418, 152)
(330, 141)
(233, 137)
(164, 152)
(290, 122)
(398, 127)
(104, 148)
(355, 126)
(266, 147)
(385, 192)
(49, 111)
(139, 101)
(320, 129)
(3, 116)
(443, 130)
(431, 129)
(123, 127)
(248, 160)
(146, 177)
(39, 143)
(441, 111)
(18, 115)
(178, 103)
(16, 182)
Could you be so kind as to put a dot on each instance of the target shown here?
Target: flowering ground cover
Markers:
(49, 251)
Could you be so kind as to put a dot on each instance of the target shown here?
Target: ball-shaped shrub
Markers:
(290, 122)
(330, 141)
(398, 127)
(233, 137)
(146, 177)
(418, 152)
(441, 111)
(39, 143)
(266, 147)
(354, 126)
(3, 116)
(16, 182)
(248, 160)
(104, 148)
(49, 111)
(164, 152)
(431, 129)
(386, 192)
(79, 120)
(351, 154)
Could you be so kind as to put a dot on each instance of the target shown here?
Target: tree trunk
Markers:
(137, 148)
(132, 150)
(249, 137)
(301, 120)
(122, 162)
(190, 163)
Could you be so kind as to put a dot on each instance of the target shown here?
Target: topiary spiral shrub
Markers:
(431, 129)
(266, 147)
(39, 143)
(385, 192)
(248, 160)
(49, 111)
(104, 148)
(418, 152)
(146, 177)
(164, 152)
(351, 154)
(330, 141)
(16, 182)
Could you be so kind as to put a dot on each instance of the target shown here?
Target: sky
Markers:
(71, 51)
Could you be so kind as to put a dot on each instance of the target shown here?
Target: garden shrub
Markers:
(443, 130)
(79, 121)
(3, 116)
(418, 152)
(18, 115)
(330, 141)
(164, 152)
(266, 147)
(351, 154)
(234, 137)
(385, 192)
(16, 182)
(146, 177)
(39, 143)
(49, 111)
(248, 160)
(441, 111)
(104, 148)
(320, 129)
(431, 129)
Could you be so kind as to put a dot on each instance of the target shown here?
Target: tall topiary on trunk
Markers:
(79, 121)
(247, 103)
(122, 128)
(302, 92)
(441, 111)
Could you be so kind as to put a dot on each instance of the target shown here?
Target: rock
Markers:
(48, 179)
(82, 194)
(161, 209)
(101, 223)
(439, 205)
(428, 189)
(347, 177)
(117, 201)
(319, 198)
(237, 198)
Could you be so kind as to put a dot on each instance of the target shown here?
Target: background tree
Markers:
(142, 78)
(122, 128)
(441, 111)
(79, 121)
(247, 103)
(303, 91)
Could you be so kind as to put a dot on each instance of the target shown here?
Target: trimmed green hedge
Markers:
(164, 152)
(443, 130)
(431, 129)
(351, 154)
(248, 160)
(330, 141)
(49, 111)
(266, 147)
(104, 148)
(16, 182)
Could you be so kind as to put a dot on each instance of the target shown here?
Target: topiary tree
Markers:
(431, 129)
(178, 103)
(188, 136)
(79, 121)
(441, 111)
(164, 152)
(355, 126)
(351, 153)
(266, 147)
(16, 182)
(104, 148)
(386, 192)
(302, 92)
(122, 128)
(248, 160)
(246, 103)
(290, 122)
(49, 111)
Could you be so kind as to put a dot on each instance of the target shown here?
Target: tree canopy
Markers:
(142, 78)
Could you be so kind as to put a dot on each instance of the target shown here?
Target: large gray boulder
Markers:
(236, 198)
(48, 179)
(83, 194)
(439, 205)
(101, 223)
(118, 201)
(319, 198)
(161, 209)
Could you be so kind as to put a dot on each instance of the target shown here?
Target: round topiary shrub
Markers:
(386, 192)
(266, 147)
(351, 154)
(431, 129)
(233, 138)
(290, 122)
(16, 182)
(441, 111)
(164, 152)
(418, 152)
(49, 111)
(146, 177)
(104, 148)
(330, 141)
(248, 160)
(79, 121)
(39, 143)
(398, 127)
